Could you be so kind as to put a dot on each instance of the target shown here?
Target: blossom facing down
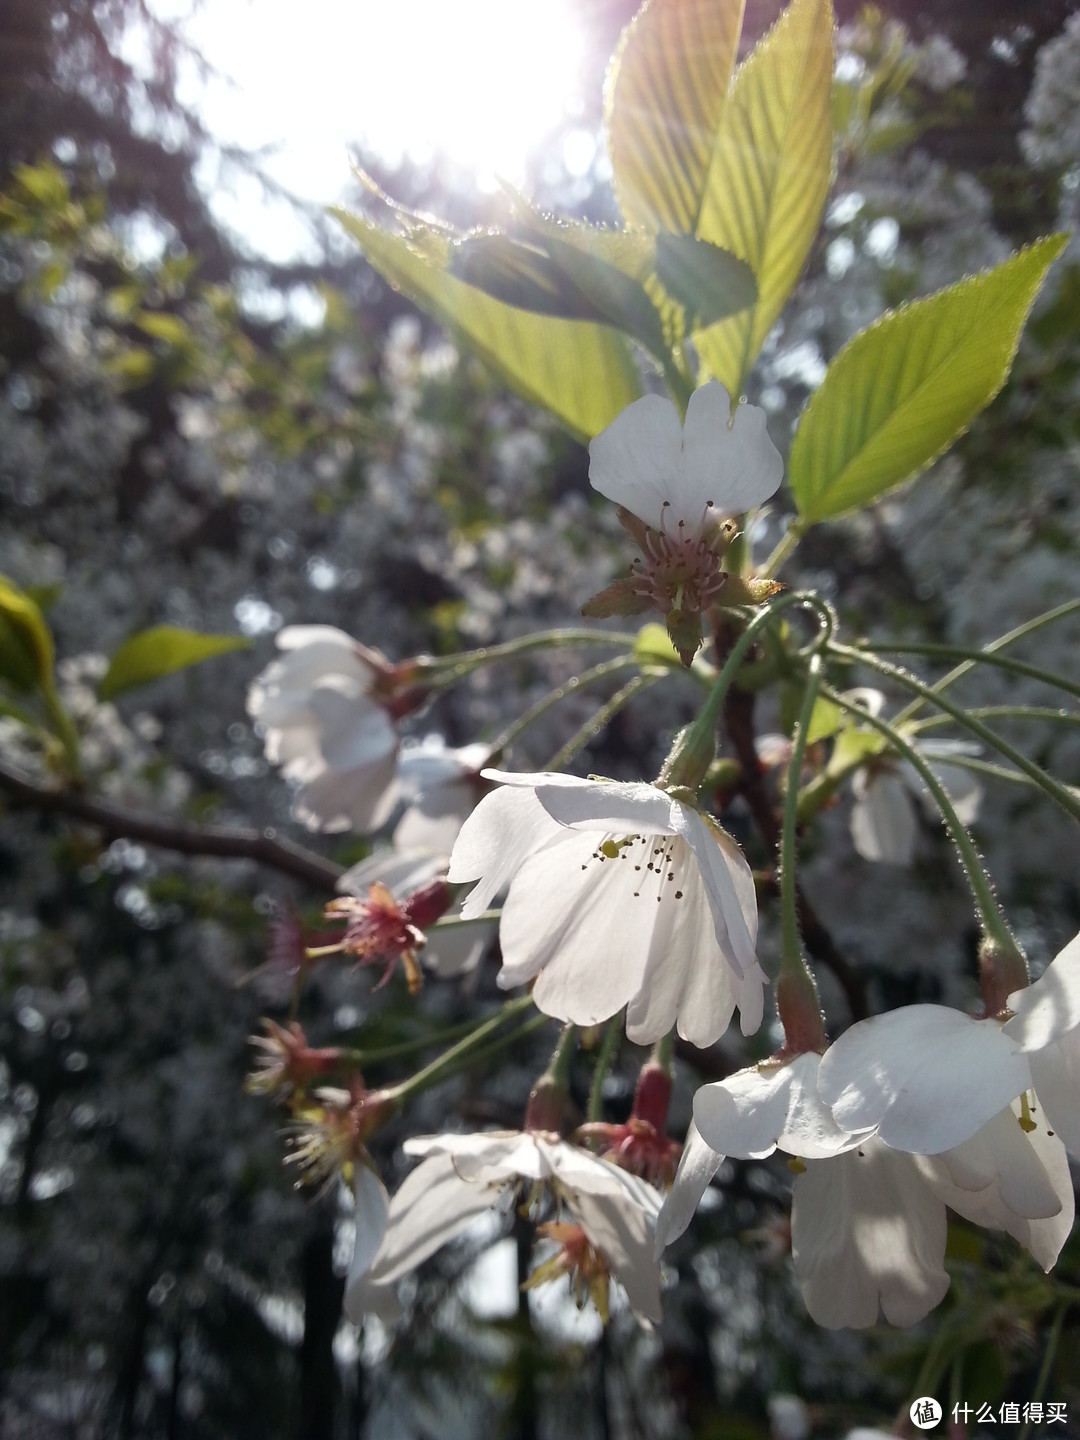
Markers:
(868, 1222)
(323, 725)
(608, 1232)
(678, 485)
(441, 785)
(618, 895)
(1046, 1027)
(884, 818)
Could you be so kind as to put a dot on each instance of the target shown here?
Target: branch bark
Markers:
(116, 822)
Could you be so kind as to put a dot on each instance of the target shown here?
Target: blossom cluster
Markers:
(630, 900)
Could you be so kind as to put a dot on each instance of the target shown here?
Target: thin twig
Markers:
(116, 822)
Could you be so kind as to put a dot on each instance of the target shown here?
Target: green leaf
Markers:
(708, 282)
(770, 174)
(902, 391)
(582, 372)
(45, 183)
(162, 326)
(26, 645)
(161, 651)
(666, 92)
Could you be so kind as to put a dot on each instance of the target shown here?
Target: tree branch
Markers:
(116, 822)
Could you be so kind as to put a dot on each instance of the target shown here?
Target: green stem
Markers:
(1029, 627)
(609, 1048)
(976, 657)
(447, 670)
(993, 922)
(597, 722)
(796, 993)
(679, 383)
(784, 547)
(364, 1058)
(455, 922)
(1004, 712)
(1053, 788)
(451, 1060)
(1049, 1356)
(552, 698)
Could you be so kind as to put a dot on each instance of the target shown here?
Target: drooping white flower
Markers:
(618, 895)
(334, 741)
(463, 1176)
(884, 819)
(677, 485)
(1046, 1026)
(868, 1221)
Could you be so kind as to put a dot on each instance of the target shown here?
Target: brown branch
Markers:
(116, 822)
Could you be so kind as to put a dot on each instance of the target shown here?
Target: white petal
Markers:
(1056, 1075)
(867, 1231)
(1050, 1008)
(574, 918)
(362, 799)
(586, 1174)
(1000, 1155)
(433, 1205)
(355, 732)
(618, 807)
(489, 1153)
(302, 637)
(636, 460)
(751, 1113)
(401, 872)
(697, 1166)
(729, 885)
(371, 1207)
(735, 465)
(883, 824)
(924, 1077)
(504, 829)
(623, 1234)
(434, 819)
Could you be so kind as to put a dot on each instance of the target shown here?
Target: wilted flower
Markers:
(284, 1062)
(678, 485)
(463, 1176)
(641, 1144)
(619, 895)
(380, 930)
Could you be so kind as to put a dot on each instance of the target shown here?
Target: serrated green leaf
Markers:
(770, 174)
(582, 372)
(666, 90)
(161, 651)
(26, 644)
(708, 282)
(901, 392)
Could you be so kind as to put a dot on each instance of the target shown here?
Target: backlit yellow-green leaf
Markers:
(26, 646)
(769, 177)
(666, 90)
(161, 651)
(582, 372)
(901, 392)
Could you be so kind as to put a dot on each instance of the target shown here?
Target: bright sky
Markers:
(477, 82)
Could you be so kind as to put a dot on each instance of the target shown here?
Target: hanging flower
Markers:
(618, 895)
(327, 710)
(441, 785)
(677, 486)
(884, 818)
(1046, 1027)
(868, 1221)
(284, 1063)
(608, 1232)
(641, 1144)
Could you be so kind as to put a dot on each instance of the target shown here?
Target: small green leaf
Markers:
(583, 373)
(665, 94)
(133, 365)
(45, 183)
(26, 645)
(168, 328)
(902, 391)
(769, 176)
(710, 283)
(161, 651)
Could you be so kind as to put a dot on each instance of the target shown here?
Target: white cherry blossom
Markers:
(463, 1176)
(333, 741)
(1046, 1026)
(618, 895)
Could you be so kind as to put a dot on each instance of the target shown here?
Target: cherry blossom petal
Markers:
(372, 1204)
(729, 885)
(698, 1164)
(751, 1113)
(361, 799)
(1056, 1074)
(615, 807)
(622, 1231)
(883, 825)
(637, 460)
(504, 829)
(1050, 1008)
(727, 458)
(924, 1077)
(868, 1232)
